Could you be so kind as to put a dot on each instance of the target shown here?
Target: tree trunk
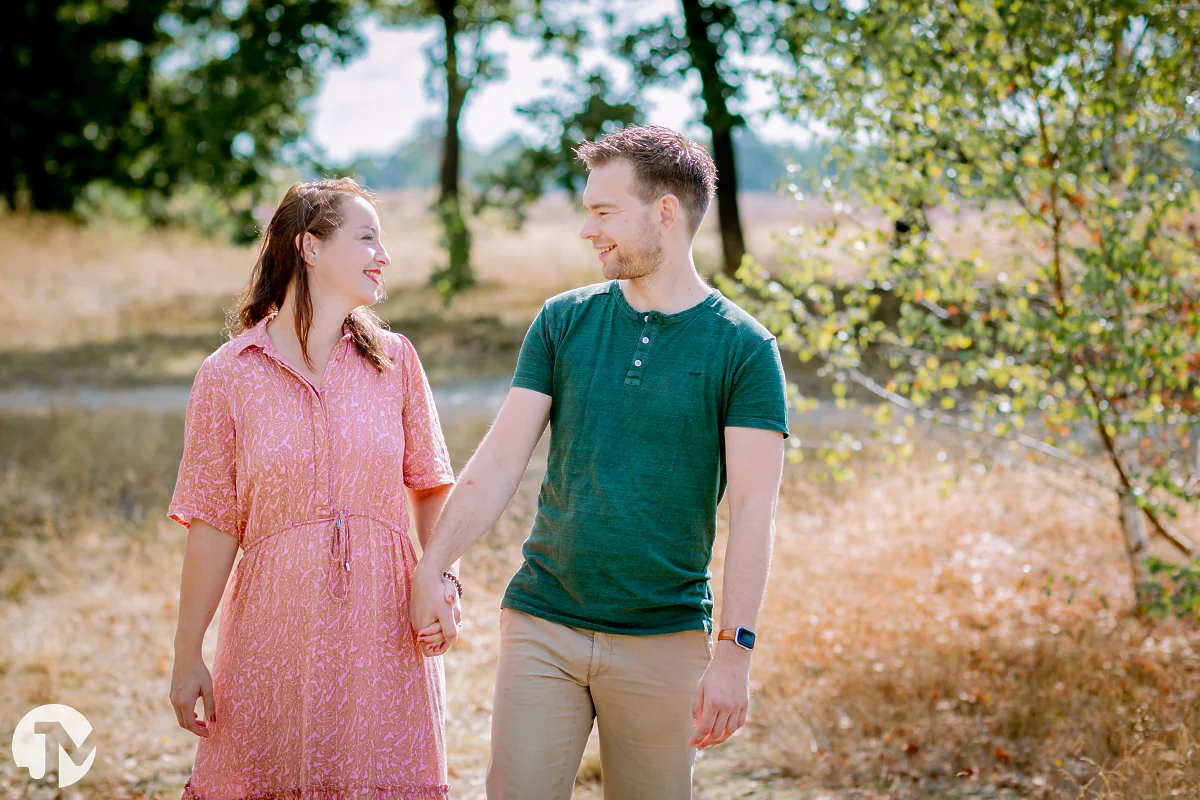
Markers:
(456, 274)
(455, 96)
(706, 57)
(1133, 529)
(733, 246)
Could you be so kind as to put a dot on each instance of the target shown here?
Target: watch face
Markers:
(745, 638)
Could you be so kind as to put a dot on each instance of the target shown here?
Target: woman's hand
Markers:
(190, 680)
(431, 639)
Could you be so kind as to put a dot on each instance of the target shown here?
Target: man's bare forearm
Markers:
(484, 488)
(747, 563)
(481, 494)
(756, 460)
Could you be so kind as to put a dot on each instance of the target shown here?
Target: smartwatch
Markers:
(742, 637)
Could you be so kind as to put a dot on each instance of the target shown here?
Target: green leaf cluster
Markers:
(154, 97)
(1062, 137)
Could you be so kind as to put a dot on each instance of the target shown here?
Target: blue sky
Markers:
(376, 101)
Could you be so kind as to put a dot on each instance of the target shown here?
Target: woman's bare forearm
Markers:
(206, 564)
(426, 507)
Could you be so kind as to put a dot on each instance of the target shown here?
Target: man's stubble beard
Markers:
(644, 259)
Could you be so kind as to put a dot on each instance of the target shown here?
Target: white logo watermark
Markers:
(29, 742)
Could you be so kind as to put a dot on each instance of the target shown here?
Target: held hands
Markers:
(435, 612)
(723, 697)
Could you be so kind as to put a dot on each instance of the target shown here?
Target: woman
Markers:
(303, 434)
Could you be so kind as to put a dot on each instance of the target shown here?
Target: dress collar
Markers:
(257, 336)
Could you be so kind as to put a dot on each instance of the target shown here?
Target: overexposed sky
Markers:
(376, 101)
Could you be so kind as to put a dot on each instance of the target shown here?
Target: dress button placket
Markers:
(323, 401)
(321, 457)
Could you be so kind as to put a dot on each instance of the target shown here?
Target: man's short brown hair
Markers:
(664, 162)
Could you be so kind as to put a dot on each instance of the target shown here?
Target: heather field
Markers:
(915, 642)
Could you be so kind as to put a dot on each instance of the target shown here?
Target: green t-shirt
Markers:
(627, 513)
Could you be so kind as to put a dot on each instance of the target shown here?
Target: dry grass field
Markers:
(913, 645)
(67, 287)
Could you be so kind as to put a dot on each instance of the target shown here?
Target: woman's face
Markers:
(349, 264)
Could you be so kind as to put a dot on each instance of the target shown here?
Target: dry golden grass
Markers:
(116, 307)
(63, 285)
(909, 646)
(919, 647)
(69, 286)
(66, 286)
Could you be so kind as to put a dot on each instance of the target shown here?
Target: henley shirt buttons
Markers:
(645, 340)
(637, 363)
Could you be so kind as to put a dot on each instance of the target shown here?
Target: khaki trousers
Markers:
(552, 681)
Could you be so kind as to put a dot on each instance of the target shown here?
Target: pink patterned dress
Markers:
(320, 690)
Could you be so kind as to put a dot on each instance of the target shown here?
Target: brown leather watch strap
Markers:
(728, 633)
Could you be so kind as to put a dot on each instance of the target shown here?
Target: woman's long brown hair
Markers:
(314, 207)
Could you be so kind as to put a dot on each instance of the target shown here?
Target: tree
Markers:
(152, 97)
(60, 129)
(702, 39)
(1068, 128)
(465, 63)
(580, 110)
(661, 54)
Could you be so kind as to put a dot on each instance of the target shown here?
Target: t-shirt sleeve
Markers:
(426, 457)
(206, 486)
(758, 398)
(535, 362)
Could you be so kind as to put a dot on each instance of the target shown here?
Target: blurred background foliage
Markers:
(161, 98)
(1073, 125)
(983, 273)
(171, 111)
(1068, 129)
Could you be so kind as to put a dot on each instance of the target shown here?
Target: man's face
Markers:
(620, 227)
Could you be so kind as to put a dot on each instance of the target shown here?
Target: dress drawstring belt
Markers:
(339, 546)
(339, 556)
(341, 539)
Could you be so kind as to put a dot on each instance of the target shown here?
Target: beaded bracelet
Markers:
(450, 576)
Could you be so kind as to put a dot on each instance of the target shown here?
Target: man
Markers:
(660, 392)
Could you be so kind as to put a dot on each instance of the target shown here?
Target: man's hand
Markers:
(434, 612)
(723, 696)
